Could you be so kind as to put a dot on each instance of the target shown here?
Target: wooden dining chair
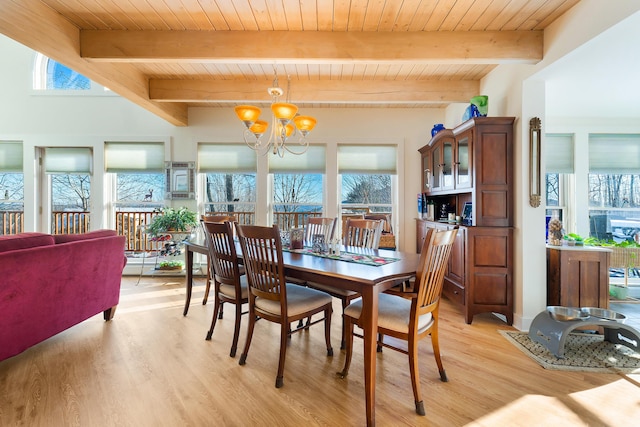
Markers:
(320, 225)
(271, 297)
(411, 317)
(362, 233)
(229, 285)
(218, 219)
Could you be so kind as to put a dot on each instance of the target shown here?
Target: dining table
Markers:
(364, 278)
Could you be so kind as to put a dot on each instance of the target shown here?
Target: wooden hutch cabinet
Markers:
(474, 163)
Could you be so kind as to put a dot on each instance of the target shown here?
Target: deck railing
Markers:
(132, 224)
(70, 222)
(11, 222)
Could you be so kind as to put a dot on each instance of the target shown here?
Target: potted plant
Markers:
(172, 221)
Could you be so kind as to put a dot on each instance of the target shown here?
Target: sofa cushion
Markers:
(25, 241)
(65, 238)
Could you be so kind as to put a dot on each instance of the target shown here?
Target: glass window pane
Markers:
(231, 193)
(372, 191)
(64, 78)
(71, 202)
(295, 198)
(11, 203)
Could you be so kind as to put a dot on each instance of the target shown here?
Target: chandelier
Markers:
(286, 125)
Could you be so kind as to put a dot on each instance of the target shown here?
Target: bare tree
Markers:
(291, 190)
(71, 191)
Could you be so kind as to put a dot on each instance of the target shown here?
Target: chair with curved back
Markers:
(412, 316)
(320, 225)
(217, 219)
(362, 233)
(273, 299)
(229, 284)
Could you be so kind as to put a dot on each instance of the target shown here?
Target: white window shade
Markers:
(133, 157)
(558, 155)
(10, 156)
(68, 160)
(226, 158)
(312, 161)
(363, 159)
(614, 154)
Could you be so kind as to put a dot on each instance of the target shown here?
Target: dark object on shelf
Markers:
(437, 128)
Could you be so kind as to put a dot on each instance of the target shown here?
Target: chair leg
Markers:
(208, 285)
(343, 338)
(327, 330)
(236, 330)
(348, 325)
(221, 313)
(415, 375)
(436, 352)
(380, 340)
(284, 336)
(252, 322)
(217, 307)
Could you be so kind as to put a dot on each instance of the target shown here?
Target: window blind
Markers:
(130, 157)
(226, 158)
(10, 156)
(363, 159)
(614, 153)
(68, 160)
(312, 161)
(559, 153)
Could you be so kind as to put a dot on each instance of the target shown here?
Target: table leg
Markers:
(369, 322)
(188, 258)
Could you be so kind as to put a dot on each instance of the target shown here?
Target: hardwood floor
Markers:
(151, 366)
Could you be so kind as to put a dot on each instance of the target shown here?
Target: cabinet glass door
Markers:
(436, 168)
(463, 175)
(447, 164)
(427, 172)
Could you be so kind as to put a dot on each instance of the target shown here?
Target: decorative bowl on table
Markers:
(565, 314)
(603, 313)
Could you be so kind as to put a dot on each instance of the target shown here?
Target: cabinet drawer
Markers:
(453, 292)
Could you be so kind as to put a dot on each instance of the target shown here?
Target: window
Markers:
(229, 180)
(366, 177)
(52, 76)
(614, 186)
(559, 166)
(11, 188)
(139, 178)
(298, 187)
(69, 170)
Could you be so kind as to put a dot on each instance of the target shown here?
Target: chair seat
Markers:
(393, 313)
(299, 300)
(230, 291)
(332, 290)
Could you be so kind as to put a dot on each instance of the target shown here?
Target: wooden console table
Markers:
(578, 276)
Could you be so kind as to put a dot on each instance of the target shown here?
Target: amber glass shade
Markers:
(305, 123)
(248, 113)
(259, 128)
(288, 129)
(284, 111)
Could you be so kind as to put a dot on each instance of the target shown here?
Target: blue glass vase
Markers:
(436, 128)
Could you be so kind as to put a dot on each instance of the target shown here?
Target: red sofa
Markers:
(49, 283)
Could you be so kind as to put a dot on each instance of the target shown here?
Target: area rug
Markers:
(583, 352)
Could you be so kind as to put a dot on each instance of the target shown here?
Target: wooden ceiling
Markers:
(167, 55)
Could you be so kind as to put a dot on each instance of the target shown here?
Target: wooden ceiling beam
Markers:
(316, 91)
(39, 27)
(452, 47)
